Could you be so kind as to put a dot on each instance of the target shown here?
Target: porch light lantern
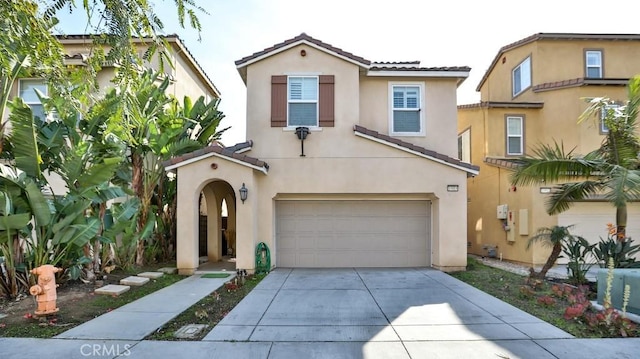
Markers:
(243, 193)
(302, 133)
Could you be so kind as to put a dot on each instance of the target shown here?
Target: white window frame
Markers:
(520, 135)
(464, 146)
(603, 128)
(587, 66)
(420, 110)
(316, 101)
(523, 86)
(46, 93)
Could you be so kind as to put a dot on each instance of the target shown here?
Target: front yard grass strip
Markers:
(216, 275)
(79, 311)
(210, 310)
(507, 286)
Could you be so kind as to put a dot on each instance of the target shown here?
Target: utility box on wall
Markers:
(511, 222)
(502, 211)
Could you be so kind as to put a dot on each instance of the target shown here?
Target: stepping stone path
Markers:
(151, 275)
(112, 289)
(134, 280)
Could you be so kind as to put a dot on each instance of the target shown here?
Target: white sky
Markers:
(438, 33)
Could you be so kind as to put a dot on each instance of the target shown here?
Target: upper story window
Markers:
(406, 109)
(521, 77)
(26, 91)
(302, 101)
(515, 135)
(609, 110)
(593, 63)
(464, 146)
(302, 96)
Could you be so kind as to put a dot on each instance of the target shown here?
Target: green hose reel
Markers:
(263, 258)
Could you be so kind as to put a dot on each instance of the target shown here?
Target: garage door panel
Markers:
(352, 233)
(589, 220)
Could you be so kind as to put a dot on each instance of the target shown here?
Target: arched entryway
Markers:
(217, 230)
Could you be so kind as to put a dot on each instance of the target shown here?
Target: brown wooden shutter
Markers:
(326, 98)
(279, 101)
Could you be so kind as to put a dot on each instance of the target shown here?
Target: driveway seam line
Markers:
(268, 306)
(382, 311)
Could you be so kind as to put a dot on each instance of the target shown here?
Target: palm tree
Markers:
(553, 237)
(612, 170)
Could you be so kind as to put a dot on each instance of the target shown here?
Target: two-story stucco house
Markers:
(534, 92)
(348, 163)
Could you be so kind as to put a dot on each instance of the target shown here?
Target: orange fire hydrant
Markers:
(45, 290)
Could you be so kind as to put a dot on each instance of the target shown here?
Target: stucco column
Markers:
(450, 230)
(231, 222)
(246, 226)
(187, 224)
(214, 204)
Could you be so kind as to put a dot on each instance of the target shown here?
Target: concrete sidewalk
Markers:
(337, 313)
(136, 320)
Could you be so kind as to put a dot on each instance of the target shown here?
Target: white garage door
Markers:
(353, 233)
(589, 220)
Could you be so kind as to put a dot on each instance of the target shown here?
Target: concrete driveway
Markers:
(382, 313)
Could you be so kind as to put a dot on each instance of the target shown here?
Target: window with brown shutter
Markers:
(279, 101)
(301, 100)
(326, 111)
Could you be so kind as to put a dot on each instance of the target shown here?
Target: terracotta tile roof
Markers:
(229, 152)
(498, 104)
(547, 86)
(299, 38)
(509, 163)
(450, 160)
(554, 36)
(375, 67)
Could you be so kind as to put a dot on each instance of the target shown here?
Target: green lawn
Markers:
(507, 286)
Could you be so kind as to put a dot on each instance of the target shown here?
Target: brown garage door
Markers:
(353, 233)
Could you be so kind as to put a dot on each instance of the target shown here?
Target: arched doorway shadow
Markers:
(217, 209)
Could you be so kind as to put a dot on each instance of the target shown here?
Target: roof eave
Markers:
(473, 172)
(286, 47)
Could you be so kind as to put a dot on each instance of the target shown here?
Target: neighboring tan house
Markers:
(187, 78)
(533, 93)
(374, 184)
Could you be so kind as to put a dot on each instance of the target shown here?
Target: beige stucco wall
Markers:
(362, 176)
(439, 104)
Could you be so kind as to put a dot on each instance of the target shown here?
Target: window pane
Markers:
(406, 97)
(594, 58)
(303, 114)
(412, 99)
(514, 126)
(27, 90)
(303, 88)
(593, 72)
(406, 121)
(514, 146)
(526, 73)
(38, 111)
(516, 81)
(398, 99)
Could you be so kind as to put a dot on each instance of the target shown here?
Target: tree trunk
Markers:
(137, 184)
(555, 253)
(621, 223)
